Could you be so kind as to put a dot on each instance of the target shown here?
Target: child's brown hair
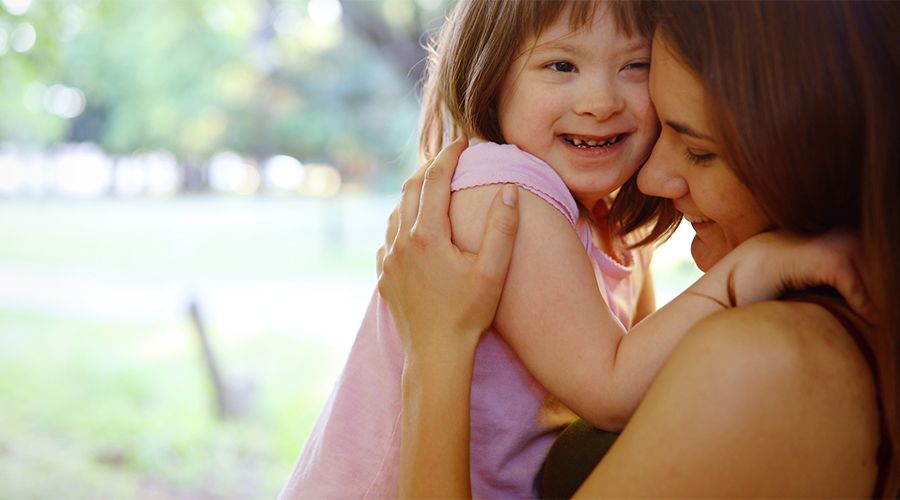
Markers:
(469, 61)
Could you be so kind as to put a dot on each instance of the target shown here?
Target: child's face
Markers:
(580, 102)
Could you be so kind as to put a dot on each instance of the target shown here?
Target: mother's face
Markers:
(686, 167)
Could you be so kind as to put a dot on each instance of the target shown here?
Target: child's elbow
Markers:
(607, 421)
(608, 416)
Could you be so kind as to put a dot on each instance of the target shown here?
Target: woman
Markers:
(775, 115)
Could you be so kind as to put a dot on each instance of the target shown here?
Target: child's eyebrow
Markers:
(636, 46)
(565, 45)
(560, 44)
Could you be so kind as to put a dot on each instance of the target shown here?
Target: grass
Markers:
(97, 405)
(126, 410)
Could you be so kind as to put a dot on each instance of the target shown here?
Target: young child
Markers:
(554, 96)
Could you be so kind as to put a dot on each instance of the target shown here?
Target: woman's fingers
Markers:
(390, 236)
(393, 226)
(379, 260)
(769, 263)
(409, 204)
(848, 280)
(854, 291)
(405, 211)
(433, 218)
(499, 236)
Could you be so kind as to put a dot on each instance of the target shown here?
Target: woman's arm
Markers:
(440, 317)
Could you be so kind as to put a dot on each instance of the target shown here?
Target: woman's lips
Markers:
(697, 221)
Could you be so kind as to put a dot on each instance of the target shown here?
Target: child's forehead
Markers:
(579, 16)
(570, 23)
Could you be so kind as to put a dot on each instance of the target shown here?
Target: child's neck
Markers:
(602, 234)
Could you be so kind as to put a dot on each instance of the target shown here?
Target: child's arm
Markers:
(553, 316)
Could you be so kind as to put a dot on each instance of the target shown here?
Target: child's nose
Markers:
(602, 101)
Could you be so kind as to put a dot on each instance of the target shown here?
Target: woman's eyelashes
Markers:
(698, 157)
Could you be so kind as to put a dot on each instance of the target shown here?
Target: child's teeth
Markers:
(592, 143)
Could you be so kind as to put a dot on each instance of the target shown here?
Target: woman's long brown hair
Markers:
(806, 99)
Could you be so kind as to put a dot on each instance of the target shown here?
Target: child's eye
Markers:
(640, 65)
(562, 66)
(699, 158)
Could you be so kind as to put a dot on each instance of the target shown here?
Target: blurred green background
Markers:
(234, 158)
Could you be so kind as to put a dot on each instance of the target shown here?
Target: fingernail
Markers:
(510, 195)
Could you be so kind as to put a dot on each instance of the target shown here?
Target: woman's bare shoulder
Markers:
(799, 341)
(772, 400)
(791, 373)
(797, 355)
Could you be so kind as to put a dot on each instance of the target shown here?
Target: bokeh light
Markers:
(17, 7)
(230, 173)
(83, 170)
(324, 12)
(23, 37)
(13, 174)
(282, 173)
(321, 181)
(4, 41)
(63, 101)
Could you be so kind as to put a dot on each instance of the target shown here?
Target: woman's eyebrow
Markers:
(686, 130)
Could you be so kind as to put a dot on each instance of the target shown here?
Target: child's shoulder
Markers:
(489, 159)
(485, 163)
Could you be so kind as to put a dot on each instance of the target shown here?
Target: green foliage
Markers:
(199, 76)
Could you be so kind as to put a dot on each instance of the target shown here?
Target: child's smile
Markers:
(591, 142)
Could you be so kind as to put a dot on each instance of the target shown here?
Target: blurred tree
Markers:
(321, 80)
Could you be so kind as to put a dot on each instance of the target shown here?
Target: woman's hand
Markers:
(442, 300)
(440, 296)
(768, 264)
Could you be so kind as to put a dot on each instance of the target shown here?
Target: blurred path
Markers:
(320, 306)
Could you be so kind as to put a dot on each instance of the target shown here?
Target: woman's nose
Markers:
(659, 176)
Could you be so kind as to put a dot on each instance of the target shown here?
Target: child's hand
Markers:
(770, 263)
(442, 298)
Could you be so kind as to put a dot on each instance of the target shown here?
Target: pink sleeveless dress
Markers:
(353, 449)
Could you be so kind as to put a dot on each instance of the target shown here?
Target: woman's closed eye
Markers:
(561, 66)
(699, 157)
